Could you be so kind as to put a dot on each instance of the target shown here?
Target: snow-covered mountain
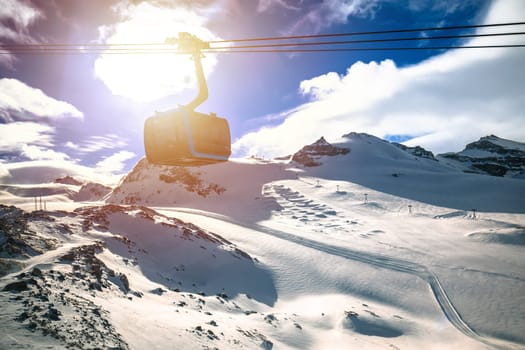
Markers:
(233, 188)
(90, 192)
(230, 188)
(374, 246)
(490, 155)
(66, 275)
(85, 192)
(414, 174)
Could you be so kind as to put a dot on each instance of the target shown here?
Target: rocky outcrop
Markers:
(491, 155)
(68, 180)
(310, 155)
(417, 151)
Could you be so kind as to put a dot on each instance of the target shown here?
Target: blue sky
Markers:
(89, 109)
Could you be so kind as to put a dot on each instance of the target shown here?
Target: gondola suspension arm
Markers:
(189, 43)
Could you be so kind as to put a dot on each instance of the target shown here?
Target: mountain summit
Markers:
(490, 155)
(309, 155)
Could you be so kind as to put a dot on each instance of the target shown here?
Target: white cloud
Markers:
(114, 163)
(331, 12)
(34, 152)
(265, 5)
(21, 13)
(16, 17)
(21, 101)
(14, 136)
(97, 143)
(27, 140)
(446, 101)
(4, 172)
(146, 77)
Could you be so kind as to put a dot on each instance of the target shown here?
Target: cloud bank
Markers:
(25, 122)
(19, 101)
(441, 103)
(27, 132)
(114, 163)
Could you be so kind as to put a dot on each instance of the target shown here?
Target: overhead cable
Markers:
(393, 31)
(364, 41)
(50, 52)
(160, 48)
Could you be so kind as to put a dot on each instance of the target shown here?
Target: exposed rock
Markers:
(191, 180)
(17, 286)
(68, 180)
(309, 155)
(59, 297)
(491, 155)
(417, 151)
(17, 239)
(36, 272)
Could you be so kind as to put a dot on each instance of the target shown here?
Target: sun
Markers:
(150, 75)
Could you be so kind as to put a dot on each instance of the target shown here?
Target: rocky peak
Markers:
(321, 143)
(492, 155)
(68, 180)
(309, 155)
(497, 145)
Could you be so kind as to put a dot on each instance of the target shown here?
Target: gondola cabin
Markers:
(182, 137)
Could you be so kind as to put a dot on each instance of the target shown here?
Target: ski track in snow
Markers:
(377, 260)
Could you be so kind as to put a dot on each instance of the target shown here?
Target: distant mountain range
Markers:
(233, 187)
(490, 155)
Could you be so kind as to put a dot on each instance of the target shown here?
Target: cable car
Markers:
(184, 136)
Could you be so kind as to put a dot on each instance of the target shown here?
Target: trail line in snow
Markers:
(377, 260)
(48, 257)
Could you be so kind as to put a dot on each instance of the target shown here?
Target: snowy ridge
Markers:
(231, 188)
(91, 192)
(490, 155)
(382, 166)
(88, 191)
(74, 264)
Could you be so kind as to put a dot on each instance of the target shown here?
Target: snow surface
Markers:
(374, 249)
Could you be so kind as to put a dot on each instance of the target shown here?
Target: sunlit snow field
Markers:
(376, 249)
